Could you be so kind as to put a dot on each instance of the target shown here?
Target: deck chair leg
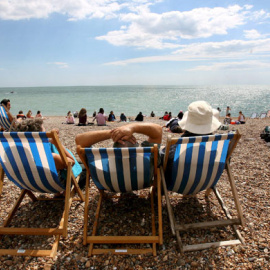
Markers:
(96, 223)
(168, 203)
(179, 241)
(235, 195)
(86, 208)
(153, 220)
(160, 232)
(1, 180)
(227, 213)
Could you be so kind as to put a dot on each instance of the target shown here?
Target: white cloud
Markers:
(241, 65)
(59, 64)
(74, 9)
(252, 34)
(234, 49)
(152, 30)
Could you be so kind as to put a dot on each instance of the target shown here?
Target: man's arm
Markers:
(91, 137)
(125, 133)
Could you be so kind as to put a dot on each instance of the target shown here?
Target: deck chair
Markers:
(253, 115)
(263, 115)
(27, 161)
(121, 170)
(198, 164)
(4, 120)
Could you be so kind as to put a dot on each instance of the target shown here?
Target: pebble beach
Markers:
(251, 170)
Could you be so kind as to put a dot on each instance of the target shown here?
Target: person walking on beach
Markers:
(101, 118)
(228, 110)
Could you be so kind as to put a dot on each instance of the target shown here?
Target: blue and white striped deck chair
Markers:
(122, 170)
(26, 159)
(263, 115)
(4, 119)
(198, 165)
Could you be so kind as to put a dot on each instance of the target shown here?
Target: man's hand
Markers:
(122, 134)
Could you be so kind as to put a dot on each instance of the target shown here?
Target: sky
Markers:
(134, 42)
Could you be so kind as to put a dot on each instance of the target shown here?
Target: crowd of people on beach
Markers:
(200, 119)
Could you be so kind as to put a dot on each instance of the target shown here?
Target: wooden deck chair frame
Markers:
(155, 238)
(177, 228)
(60, 230)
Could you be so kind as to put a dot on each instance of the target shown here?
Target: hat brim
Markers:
(185, 124)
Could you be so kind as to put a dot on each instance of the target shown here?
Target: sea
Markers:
(57, 101)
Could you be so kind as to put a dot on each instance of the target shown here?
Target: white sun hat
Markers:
(199, 119)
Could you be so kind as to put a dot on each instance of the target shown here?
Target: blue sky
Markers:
(131, 42)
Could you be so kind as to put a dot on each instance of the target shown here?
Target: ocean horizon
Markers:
(131, 99)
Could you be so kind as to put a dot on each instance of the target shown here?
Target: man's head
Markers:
(126, 144)
(6, 102)
(31, 125)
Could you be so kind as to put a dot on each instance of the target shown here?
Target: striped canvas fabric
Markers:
(4, 120)
(198, 162)
(27, 161)
(120, 169)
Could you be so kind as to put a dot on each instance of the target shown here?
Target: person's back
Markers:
(199, 120)
(70, 119)
(101, 118)
(139, 117)
(123, 118)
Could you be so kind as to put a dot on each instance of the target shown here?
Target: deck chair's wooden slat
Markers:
(123, 251)
(122, 239)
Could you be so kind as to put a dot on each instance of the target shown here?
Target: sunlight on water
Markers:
(133, 99)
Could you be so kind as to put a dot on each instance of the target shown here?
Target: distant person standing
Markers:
(152, 114)
(228, 110)
(139, 117)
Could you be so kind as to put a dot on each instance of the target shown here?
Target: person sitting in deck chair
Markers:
(200, 119)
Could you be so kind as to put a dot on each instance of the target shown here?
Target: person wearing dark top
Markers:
(180, 115)
(111, 117)
(20, 115)
(173, 126)
(139, 117)
(152, 114)
(199, 120)
(123, 118)
(82, 117)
